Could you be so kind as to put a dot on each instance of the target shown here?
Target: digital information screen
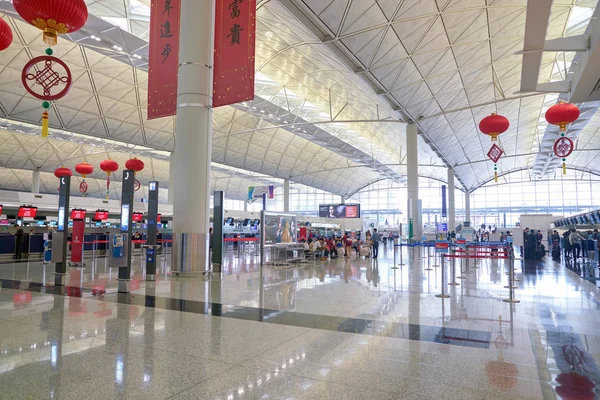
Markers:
(124, 217)
(100, 215)
(61, 219)
(137, 217)
(280, 228)
(77, 214)
(27, 212)
(339, 210)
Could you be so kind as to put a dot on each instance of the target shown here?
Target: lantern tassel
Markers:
(495, 176)
(45, 124)
(564, 166)
(107, 186)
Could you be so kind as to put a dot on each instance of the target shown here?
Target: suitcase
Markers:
(556, 253)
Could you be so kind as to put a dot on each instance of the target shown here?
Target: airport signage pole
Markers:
(217, 233)
(124, 278)
(59, 238)
(152, 231)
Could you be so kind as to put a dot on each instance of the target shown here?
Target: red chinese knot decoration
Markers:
(84, 169)
(562, 114)
(45, 82)
(109, 166)
(136, 166)
(54, 17)
(494, 154)
(42, 78)
(494, 125)
(563, 148)
(6, 36)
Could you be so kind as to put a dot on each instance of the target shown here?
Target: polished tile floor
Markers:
(339, 329)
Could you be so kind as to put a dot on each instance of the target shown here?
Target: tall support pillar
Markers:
(342, 200)
(286, 195)
(467, 206)
(451, 201)
(35, 181)
(193, 139)
(171, 193)
(412, 160)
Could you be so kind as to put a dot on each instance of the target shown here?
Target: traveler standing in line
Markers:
(18, 242)
(575, 239)
(376, 238)
(525, 242)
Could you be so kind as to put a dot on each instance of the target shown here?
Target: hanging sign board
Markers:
(163, 60)
(441, 246)
(235, 35)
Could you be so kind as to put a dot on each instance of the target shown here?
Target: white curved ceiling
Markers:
(335, 79)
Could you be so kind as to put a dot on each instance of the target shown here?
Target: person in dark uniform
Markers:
(19, 234)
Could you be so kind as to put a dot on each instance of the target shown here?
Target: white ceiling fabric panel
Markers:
(329, 104)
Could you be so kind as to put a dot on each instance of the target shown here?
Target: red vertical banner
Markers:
(163, 58)
(235, 36)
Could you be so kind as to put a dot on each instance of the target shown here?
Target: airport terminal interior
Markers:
(299, 199)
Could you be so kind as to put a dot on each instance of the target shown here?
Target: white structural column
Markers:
(193, 138)
(412, 184)
(467, 206)
(342, 200)
(286, 195)
(35, 182)
(171, 192)
(451, 203)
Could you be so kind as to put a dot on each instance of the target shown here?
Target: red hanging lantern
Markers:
(6, 35)
(84, 169)
(62, 171)
(53, 16)
(109, 166)
(562, 114)
(494, 125)
(136, 166)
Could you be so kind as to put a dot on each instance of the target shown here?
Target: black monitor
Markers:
(229, 221)
(246, 221)
(256, 222)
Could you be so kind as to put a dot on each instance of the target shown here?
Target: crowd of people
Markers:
(347, 245)
(574, 242)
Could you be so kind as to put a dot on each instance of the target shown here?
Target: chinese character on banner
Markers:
(163, 58)
(235, 32)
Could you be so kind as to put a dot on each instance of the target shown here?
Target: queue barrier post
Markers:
(454, 283)
(511, 288)
(443, 295)
(428, 262)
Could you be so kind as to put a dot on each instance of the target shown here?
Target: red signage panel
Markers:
(77, 240)
(77, 214)
(0, 208)
(27, 212)
(163, 60)
(101, 215)
(158, 218)
(235, 36)
(137, 217)
(352, 212)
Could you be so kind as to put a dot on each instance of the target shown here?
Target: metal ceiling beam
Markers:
(536, 25)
